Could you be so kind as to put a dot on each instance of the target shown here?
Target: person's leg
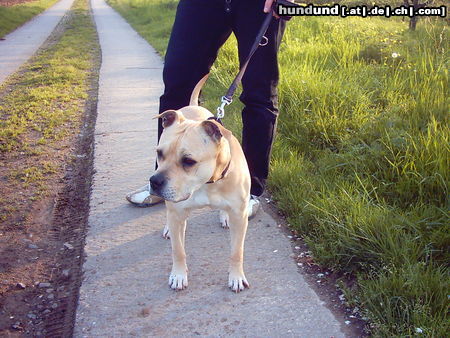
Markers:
(259, 117)
(201, 27)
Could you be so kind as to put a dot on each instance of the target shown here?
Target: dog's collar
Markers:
(224, 172)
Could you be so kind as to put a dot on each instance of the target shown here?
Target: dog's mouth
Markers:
(173, 200)
(183, 199)
(169, 196)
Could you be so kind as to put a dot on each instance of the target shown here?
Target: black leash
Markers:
(260, 40)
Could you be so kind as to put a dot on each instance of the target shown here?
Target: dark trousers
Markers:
(201, 27)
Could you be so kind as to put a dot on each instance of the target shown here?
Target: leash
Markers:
(260, 40)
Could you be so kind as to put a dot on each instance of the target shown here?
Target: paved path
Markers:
(22, 43)
(125, 291)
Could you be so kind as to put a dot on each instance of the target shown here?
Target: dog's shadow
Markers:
(131, 238)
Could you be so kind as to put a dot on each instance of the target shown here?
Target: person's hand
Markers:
(268, 5)
(268, 8)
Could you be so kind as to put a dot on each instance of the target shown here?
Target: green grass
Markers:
(12, 17)
(361, 161)
(42, 106)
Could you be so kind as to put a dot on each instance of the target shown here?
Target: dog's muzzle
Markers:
(159, 186)
(157, 182)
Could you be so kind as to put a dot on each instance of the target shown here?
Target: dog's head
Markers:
(189, 154)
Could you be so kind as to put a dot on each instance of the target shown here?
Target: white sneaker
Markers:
(253, 206)
(142, 198)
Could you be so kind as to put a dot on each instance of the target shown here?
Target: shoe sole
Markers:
(256, 212)
(143, 205)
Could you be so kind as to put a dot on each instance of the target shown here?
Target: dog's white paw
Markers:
(178, 281)
(237, 282)
(165, 232)
(224, 219)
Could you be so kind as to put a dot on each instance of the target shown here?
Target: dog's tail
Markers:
(196, 91)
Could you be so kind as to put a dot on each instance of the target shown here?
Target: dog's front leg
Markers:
(238, 228)
(176, 220)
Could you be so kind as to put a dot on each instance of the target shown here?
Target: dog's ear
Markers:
(212, 130)
(169, 117)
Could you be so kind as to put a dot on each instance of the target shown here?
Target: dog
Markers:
(200, 163)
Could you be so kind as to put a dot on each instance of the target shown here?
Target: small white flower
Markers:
(419, 330)
(395, 55)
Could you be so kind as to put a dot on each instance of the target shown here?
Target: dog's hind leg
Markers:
(238, 228)
(177, 226)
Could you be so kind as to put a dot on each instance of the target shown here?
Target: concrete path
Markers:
(19, 45)
(125, 291)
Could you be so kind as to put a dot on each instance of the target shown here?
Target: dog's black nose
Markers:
(157, 181)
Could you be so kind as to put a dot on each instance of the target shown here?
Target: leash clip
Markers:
(264, 41)
(224, 101)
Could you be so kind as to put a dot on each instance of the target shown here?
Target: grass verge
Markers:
(43, 103)
(43, 117)
(360, 166)
(14, 16)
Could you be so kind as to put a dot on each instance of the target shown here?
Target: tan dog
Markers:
(200, 163)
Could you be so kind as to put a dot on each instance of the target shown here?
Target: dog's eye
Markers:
(160, 154)
(188, 162)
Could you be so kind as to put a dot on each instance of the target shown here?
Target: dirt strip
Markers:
(42, 244)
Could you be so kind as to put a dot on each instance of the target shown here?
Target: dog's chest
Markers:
(202, 198)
